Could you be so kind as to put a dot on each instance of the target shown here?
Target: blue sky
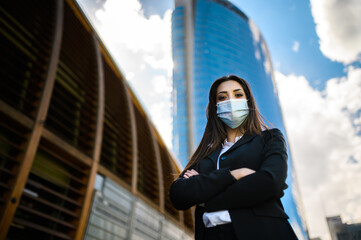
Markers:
(315, 48)
(282, 23)
(285, 22)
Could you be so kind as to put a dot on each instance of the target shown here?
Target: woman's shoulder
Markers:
(274, 142)
(272, 133)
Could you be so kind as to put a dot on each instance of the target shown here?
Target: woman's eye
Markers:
(221, 98)
(239, 95)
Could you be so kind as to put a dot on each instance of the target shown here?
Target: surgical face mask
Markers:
(233, 112)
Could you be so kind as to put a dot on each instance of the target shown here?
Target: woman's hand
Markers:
(190, 173)
(241, 172)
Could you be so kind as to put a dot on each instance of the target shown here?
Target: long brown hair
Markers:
(215, 131)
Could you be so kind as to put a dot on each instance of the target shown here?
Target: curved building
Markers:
(210, 39)
(79, 158)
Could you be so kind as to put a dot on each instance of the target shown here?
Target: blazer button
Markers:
(223, 158)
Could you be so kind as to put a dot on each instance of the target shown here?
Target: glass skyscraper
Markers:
(211, 39)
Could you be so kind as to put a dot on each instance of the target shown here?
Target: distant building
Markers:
(343, 231)
(79, 157)
(210, 39)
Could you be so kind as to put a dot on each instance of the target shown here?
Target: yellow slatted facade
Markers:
(147, 183)
(72, 111)
(116, 153)
(51, 101)
(53, 196)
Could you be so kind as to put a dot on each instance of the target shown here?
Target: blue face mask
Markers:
(233, 112)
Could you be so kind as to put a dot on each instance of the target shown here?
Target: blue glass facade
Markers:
(225, 42)
(180, 137)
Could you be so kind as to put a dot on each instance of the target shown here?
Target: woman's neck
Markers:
(232, 134)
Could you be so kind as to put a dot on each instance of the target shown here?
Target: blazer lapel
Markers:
(245, 138)
(214, 155)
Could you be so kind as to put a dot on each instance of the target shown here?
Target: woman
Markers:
(237, 174)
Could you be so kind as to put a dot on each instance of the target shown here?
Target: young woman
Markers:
(237, 174)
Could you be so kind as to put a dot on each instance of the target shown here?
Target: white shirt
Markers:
(212, 219)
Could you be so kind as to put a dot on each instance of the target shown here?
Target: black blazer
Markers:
(253, 202)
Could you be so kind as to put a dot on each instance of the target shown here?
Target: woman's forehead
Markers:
(229, 85)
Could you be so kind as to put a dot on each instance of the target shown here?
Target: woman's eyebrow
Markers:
(235, 90)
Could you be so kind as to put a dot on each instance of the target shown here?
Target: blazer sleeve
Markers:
(187, 192)
(267, 183)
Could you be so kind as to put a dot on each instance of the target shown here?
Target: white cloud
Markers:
(141, 47)
(323, 137)
(129, 76)
(123, 24)
(257, 54)
(125, 21)
(162, 120)
(257, 40)
(161, 85)
(339, 29)
(296, 46)
(160, 110)
(267, 60)
(255, 31)
(165, 62)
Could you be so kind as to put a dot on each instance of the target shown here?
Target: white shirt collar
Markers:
(229, 144)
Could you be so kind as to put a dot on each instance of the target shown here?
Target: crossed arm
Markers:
(237, 173)
(223, 189)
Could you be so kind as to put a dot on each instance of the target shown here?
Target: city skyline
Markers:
(318, 84)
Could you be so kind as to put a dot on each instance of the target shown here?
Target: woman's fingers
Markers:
(190, 173)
